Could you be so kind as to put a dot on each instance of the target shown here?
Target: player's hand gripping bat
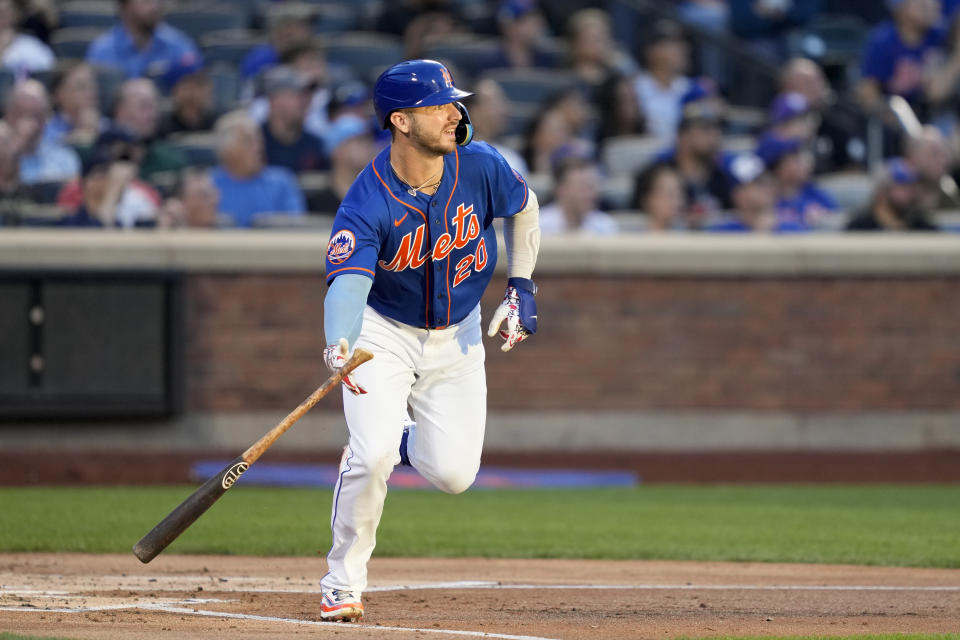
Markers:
(203, 498)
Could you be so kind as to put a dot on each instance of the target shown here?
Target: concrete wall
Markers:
(653, 343)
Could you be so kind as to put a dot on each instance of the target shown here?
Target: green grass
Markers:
(869, 525)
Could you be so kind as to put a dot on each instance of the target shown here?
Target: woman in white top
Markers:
(19, 52)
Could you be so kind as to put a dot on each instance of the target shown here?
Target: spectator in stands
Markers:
(247, 187)
(577, 113)
(764, 23)
(15, 197)
(898, 57)
(593, 56)
(287, 143)
(661, 84)
(137, 203)
(576, 201)
(38, 18)
(792, 116)
(429, 29)
(141, 44)
(41, 160)
(799, 202)
(619, 110)
(77, 120)
(697, 157)
(839, 140)
(351, 98)
(661, 197)
(138, 111)
(289, 27)
(20, 52)
(753, 196)
(944, 76)
(310, 61)
(929, 156)
(522, 29)
(195, 204)
(111, 196)
(398, 15)
(352, 146)
(547, 133)
(896, 203)
(490, 115)
(191, 98)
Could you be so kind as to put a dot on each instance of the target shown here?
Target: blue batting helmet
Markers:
(414, 83)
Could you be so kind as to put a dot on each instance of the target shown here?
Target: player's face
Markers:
(433, 129)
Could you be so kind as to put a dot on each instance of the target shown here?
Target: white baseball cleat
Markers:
(338, 605)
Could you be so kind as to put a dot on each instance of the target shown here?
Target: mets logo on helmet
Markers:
(341, 246)
(447, 80)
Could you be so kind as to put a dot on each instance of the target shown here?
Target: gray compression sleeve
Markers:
(343, 307)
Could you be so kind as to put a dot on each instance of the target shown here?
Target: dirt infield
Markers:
(114, 597)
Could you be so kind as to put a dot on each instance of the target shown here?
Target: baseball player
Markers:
(412, 250)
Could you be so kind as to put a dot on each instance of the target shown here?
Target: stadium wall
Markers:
(682, 343)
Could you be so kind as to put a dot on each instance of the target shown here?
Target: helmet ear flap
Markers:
(464, 132)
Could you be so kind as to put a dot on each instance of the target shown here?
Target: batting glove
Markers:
(519, 309)
(336, 355)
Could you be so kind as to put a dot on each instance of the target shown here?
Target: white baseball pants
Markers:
(440, 374)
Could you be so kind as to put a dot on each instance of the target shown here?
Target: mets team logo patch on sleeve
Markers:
(341, 246)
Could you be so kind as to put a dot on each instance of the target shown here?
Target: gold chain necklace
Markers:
(413, 190)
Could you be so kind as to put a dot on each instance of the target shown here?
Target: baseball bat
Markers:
(210, 491)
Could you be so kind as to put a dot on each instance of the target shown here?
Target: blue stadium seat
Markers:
(471, 56)
(368, 53)
(533, 85)
(197, 22)
(72, 43)
(230, 45)
(200, 148)
(88, 13)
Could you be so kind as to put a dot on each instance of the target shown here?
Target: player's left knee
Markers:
(455, 480)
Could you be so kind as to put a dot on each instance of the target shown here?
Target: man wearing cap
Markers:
(287, 143)
(753, 197)
(191, 96)
(896, 204)
(141, 44)
(799, 201)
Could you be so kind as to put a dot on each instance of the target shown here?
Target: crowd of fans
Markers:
(139, 131)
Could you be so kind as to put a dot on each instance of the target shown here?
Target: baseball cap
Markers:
(900, 172)
(744, 168)
(188, 64)
(344, 128)
(771, 148)
(787, 106)
(700, 102)
(513, 9)
(349, 94)
(283, 78)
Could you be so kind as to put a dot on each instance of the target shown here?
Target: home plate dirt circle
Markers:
(114, 597)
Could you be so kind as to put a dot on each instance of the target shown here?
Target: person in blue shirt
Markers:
(286, 140)
(141, 44)
(798, 200)
(247, 186)
(899, 55)
(753, 195)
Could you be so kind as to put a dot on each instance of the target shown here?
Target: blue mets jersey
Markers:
(430, 257)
